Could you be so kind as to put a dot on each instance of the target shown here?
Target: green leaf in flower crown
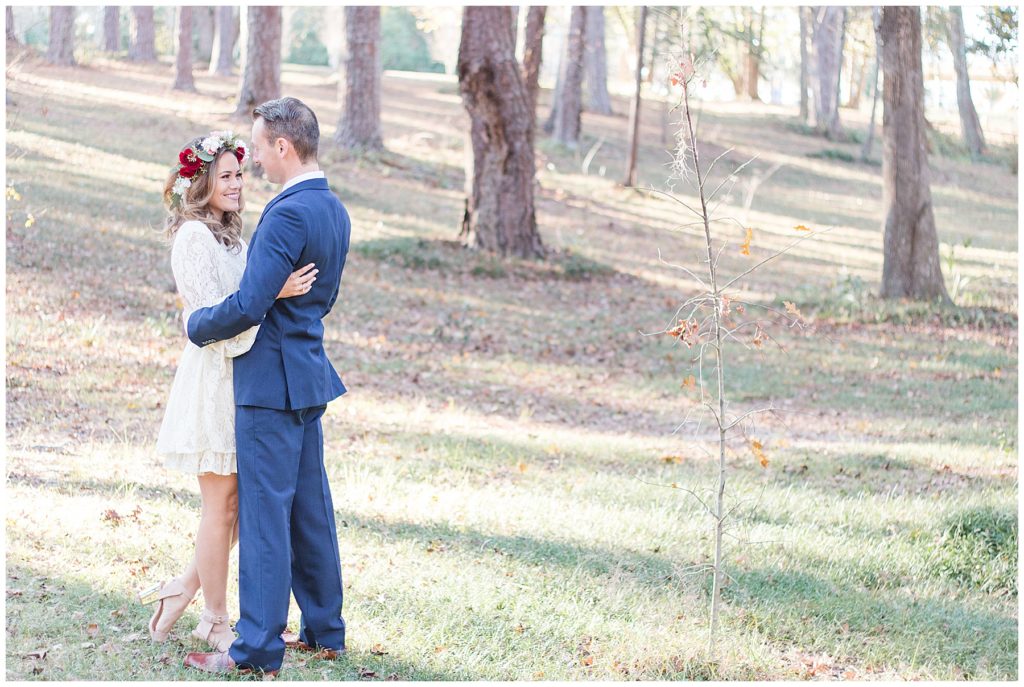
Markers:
(204, 156)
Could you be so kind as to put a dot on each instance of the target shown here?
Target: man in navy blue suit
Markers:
(288, 540)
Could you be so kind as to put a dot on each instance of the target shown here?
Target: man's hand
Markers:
(300, 282)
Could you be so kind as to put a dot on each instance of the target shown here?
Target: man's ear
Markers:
(281, 145)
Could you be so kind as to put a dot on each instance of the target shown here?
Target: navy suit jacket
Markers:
(286, 368)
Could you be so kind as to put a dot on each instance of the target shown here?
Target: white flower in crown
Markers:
(211, 144)
(180, 186)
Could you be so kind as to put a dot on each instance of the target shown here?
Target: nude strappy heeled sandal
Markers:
(210, 621)
(160, 594)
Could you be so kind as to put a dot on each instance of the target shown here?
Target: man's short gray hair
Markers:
(293, 120)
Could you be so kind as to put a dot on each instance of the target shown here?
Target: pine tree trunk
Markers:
(805, 112)
(876, 20)
(753, 75)
(203, 19)
(111, 28)
(556, 94)
(514, 9)
(532, 52)
(970, 127)
(183, 80)
(261, 78)
(634, 110)
(222, 57)
(11, 37)
(827, 40)
(500, 214)
(596, 62)
(359, 126)
(142, 47)
(61, 50)
(911, 266)
(566, 130)
(753, 56)
(859, 70)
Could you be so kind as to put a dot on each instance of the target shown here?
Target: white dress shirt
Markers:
(303, 177)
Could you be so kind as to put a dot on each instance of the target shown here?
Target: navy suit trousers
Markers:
(288, 540)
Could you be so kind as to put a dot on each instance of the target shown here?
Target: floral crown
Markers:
(193, 162)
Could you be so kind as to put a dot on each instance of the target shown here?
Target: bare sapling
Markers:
(715, 320)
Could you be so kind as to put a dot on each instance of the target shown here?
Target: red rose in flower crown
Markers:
(240, 154)
(190, 163)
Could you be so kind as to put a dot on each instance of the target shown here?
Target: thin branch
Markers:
(744, 416)
(676, 486)
(772, 257)
(670, 197)
(684, 269)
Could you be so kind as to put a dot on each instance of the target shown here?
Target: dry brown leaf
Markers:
(92, 629)
(378, 650)
(801, 227)
(745, 248)
(757, 448)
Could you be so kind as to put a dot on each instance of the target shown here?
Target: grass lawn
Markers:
(503, 464)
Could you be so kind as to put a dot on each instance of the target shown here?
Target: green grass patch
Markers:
(978, 548)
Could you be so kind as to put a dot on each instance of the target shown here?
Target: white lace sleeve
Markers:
(195, 269)
(197, 276)
(240, 344)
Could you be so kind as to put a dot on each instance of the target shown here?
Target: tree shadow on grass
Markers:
(937, 634)
(118, 647)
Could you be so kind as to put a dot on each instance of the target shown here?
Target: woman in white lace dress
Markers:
(204, 199)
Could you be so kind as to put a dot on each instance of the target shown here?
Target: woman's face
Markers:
(227, 189)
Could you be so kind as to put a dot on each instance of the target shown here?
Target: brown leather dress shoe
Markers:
(215, 662)
(292, 641)
(220, 662)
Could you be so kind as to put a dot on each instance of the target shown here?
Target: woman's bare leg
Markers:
(216, 537)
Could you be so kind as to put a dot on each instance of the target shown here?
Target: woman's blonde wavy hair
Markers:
(195, 203)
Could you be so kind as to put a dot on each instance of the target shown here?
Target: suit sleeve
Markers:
(282, 238)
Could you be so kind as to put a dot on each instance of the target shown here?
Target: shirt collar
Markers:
(303, 177)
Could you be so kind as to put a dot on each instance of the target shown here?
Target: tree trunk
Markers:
(111, 28)
(532, 51)
(911, 249)
(556, 94)
(222, 56)
(827, 40)
(514, 9)
(969, 124)
(634, 110)
(566, 129)
(183, 64)
(142, 47)
(261, 78)
(654, 39)
(753, 56)
(203, 18)
(596, 63)
(11, 37)
(876, 20)
(61, 50)
(359, 126)
(499, 214)
(805, 113)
